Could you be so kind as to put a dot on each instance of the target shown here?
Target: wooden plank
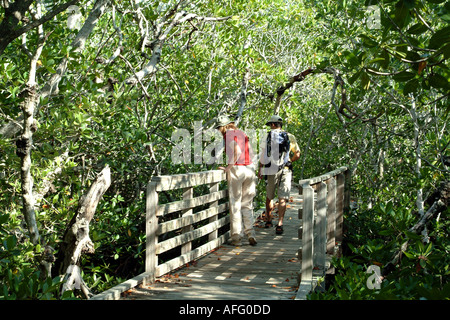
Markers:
(214, 291)
(179, 181)
(167, 208)
(245, 267)
(178, 223)
(249, 253)
(190, 235)
(115, 292)
(240, 280)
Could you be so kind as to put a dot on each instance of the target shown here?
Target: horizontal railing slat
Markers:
(191, 255)
(191, 235)
(323, 177)
(167, 208)
(181, 222)
(187, 180)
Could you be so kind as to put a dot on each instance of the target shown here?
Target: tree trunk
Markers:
(76, 240)
(24, 145)
(25, 142)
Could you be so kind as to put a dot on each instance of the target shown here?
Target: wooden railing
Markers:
(324, 200)
(183, 228)
(175, 224)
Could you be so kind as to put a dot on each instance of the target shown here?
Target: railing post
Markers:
(320, 246)
(188, 193)
(347, 184)
(213, 187)
(339, 206)
(307, 234)
(331, 215)
(151, 228)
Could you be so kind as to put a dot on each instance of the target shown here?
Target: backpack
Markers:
(280, 158)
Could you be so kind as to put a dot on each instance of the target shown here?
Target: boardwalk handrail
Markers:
(185, 222)
(332, 198)
(321, 235)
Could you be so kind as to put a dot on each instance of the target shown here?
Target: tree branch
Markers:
(440, 201)
(281, 90)
(51, 86)
(161, 36)
(15, 13)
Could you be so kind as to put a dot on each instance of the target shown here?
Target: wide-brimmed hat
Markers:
(274, 119)
(222, 121)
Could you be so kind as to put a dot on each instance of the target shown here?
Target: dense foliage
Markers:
(377, 102)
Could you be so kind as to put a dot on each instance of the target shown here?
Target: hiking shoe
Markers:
(252, 241)
(279, 230)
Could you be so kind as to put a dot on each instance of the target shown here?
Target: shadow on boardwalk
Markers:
(267, 271)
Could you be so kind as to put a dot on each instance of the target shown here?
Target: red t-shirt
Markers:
(242, 141)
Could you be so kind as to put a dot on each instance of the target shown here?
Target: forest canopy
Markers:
(92, 92)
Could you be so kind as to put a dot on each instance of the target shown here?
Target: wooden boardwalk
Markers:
(213, 270)
(268, 271)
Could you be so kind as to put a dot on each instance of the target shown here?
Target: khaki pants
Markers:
(242, 190)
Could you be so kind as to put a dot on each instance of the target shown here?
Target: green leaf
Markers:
(429, 248)
(440, 38)
(376, 60)
(411, 86)
(403, 76)
(10, 242)
(418, 28)
(365, 81)
(409, 4)
(408, 255)
(438, 81)
(368, 41)
(401, 12)
(351, 58)
(3, 218)
(423, 263)
(354, 77)
(386, 232)
(412, 235)
(446, 51)
(386, 57)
